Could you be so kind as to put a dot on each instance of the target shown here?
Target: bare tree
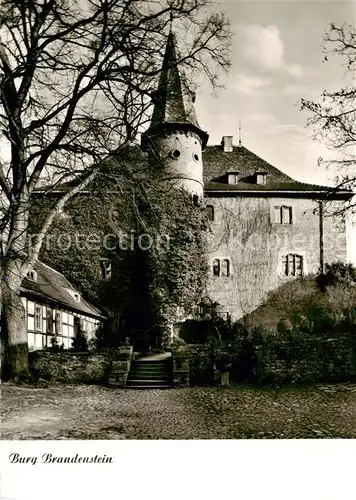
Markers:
(334, 118)
(76, 81)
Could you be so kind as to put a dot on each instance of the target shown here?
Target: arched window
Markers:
(225, 268)
(210, 212)
(216, 267)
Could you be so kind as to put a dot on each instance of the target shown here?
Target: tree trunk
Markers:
(14, 332)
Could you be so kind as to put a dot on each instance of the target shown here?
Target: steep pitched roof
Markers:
(54, 287)
(217, 164)
(173, 101)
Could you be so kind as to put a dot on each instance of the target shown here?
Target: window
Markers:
(49, 320)
(195, 157)
(38, 317)
(58, 323)
(105, 267)
(32, 275)
(261, 178)
(210, 212)
(195, 200)
(292, 265)
(77, 326)
(216, 267)
(221, 268)
(283, 215)
(225, 268)
(233, 178)
(176, 154)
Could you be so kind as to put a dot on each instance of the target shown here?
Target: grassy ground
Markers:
(92, 412)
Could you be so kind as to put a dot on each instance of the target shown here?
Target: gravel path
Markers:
(92, 412)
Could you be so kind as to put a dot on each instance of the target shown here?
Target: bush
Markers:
(80, 341)
(56, 347)
(337, 273)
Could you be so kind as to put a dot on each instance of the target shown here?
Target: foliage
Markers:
(337, 273)
(56, 347)
(147, 286)
(80, 341)
(334, 118)
(76, 82)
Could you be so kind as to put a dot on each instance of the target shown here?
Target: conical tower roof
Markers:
(173, 101)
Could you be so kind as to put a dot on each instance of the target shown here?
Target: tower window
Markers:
(176, 153)
(292, 265)
(195, 157)
(283, 215)
(195, 200)
(210, 212)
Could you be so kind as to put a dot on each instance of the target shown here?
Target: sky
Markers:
(277, 60)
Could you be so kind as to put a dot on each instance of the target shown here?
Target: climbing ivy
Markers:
(155, 238)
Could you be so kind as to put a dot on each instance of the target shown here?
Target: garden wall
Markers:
(299, 360)
(315, 359)
(110, 366)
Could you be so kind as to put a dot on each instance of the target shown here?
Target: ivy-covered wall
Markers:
(155, 238)
(245, 232)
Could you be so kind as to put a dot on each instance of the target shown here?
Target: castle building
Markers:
(266, 228)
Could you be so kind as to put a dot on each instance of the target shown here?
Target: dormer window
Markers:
(233, 177)
(261, 178)
(74, 294)
(32, 275)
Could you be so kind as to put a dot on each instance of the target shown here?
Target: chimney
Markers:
(226, 142)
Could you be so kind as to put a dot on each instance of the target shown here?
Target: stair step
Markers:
(150, 363)
(150, 374)
(147, 380)
(149, 368)
(140, 377)
(144, 387)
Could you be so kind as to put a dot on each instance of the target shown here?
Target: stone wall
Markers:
(181, 375)
(107, 367)
(318, 359)
(314, 359)
(120, 366)
(244, 231)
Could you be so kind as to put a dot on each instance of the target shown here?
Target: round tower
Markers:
(174, 136)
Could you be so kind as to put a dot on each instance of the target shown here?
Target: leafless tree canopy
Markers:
(334, 118)
(77, 78)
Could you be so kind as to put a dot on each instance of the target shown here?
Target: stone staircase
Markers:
(150, 374)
